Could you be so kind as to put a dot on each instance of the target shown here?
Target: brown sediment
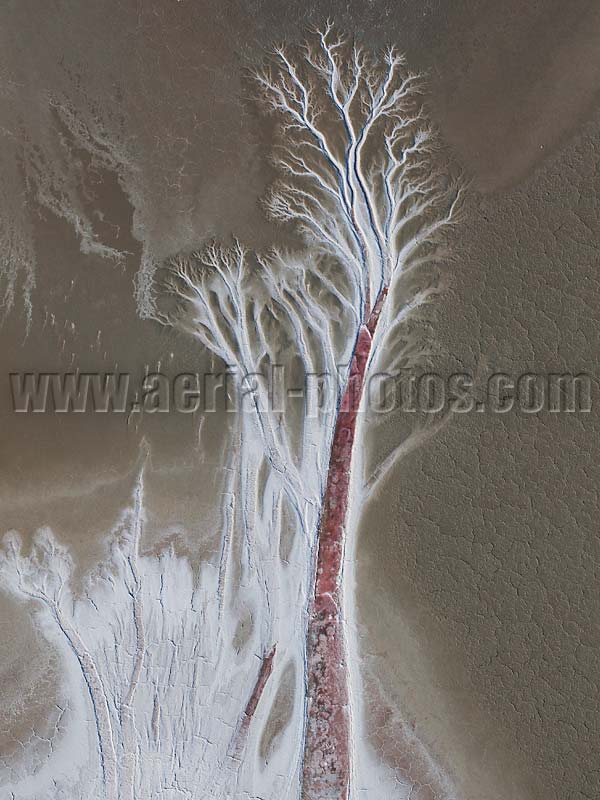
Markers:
(266, 668)
(399, 744)
(326, 766)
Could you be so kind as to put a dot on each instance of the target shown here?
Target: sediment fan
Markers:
(180, 701)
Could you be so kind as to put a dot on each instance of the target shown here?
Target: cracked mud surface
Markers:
(478, 567)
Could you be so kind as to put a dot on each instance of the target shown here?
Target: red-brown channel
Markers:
(326, 766)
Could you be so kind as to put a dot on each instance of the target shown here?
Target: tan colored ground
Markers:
(479, 567)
